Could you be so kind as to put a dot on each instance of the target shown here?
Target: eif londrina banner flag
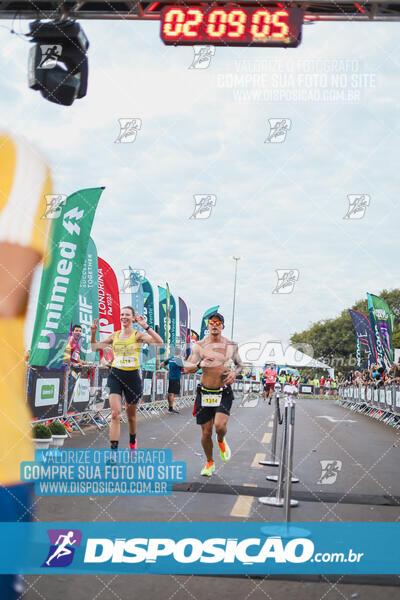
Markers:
(87, 305)
(109, 306)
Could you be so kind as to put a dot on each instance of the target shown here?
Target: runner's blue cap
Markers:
(218, 316)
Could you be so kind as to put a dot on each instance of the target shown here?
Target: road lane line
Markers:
(242, 506)
(267, 438)
(259, 456)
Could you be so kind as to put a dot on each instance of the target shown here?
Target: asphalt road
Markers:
(367, 488)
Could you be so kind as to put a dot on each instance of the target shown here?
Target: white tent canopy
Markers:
(264, 349)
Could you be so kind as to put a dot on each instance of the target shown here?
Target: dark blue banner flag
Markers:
(365, 337)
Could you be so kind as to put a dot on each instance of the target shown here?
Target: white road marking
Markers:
(333, 420)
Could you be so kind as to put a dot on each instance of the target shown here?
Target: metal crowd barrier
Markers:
(379, 402)
(79, 395)
(247, 392)
(285, 477)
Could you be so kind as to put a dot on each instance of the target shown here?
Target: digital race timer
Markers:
(232, 26)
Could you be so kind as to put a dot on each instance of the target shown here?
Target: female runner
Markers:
(125, 374)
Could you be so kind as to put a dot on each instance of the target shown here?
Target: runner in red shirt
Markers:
(270, 375)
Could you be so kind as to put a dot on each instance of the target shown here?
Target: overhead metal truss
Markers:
(320, 10)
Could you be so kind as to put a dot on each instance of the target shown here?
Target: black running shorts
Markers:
(127, 382)
(174, 386)
(204, 413)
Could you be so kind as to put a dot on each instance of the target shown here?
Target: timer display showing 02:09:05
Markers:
(233, 26)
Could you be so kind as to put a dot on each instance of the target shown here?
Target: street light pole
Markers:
(236, 259)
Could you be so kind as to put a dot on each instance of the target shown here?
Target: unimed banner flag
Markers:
(203, 329)
(381, 322)
(109, 308)
(87, 306)
(364, 336)
(59, 287)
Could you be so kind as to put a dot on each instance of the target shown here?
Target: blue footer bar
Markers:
(200, 548)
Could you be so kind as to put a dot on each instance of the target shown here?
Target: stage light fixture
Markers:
(58, 65)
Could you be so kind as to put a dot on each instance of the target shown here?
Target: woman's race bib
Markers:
(124, 362)
(211, 399)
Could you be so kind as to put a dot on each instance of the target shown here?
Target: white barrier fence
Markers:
(382, 403)
(80, 395)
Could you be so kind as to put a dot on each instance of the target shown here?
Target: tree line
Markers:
(334, 341)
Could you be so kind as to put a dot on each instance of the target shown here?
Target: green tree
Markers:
(333, 340)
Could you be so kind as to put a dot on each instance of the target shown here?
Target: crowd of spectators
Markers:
(375, 375)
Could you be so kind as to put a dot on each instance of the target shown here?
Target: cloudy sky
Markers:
(279, 206)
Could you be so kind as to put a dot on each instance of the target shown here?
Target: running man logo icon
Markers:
(202, 57)
(286, 281)
(54, 204)
(132, 280)
(128, 129)
(203, 205)
(50, 55)
(250, 400)
(278, 129)
(330, 470)
(62, 542)
(357, 206)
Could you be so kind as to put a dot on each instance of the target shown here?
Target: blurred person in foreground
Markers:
(24, 182)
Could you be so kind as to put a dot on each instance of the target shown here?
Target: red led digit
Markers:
(237, 18)
(173, 22)
(261, 24)
(195, 22)
(216, 26)
(281, 24)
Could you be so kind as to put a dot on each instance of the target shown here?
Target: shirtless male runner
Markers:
(214, 395)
